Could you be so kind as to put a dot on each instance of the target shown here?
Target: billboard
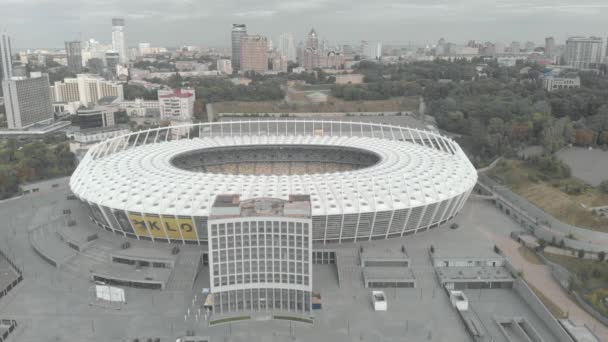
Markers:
(162, 226)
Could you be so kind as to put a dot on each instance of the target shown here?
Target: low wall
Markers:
(562, 276)
(539, 308)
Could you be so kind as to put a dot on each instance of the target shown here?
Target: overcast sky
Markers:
(48, 23)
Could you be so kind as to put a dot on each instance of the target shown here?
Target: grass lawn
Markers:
(397, 104)
(529, 255)
(550, 195)
(555, 310)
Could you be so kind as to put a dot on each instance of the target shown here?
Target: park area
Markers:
(591, 279)
(564, 197)
(333, 105)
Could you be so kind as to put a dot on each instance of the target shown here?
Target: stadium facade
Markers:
(260, 194)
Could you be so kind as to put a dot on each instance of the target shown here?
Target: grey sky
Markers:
(47, 23)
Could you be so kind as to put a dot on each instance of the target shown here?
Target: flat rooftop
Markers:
(226, 206)
(380, 252)
(473, 273)
(379, 274)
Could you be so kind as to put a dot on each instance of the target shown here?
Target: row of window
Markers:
(255, 278)
(260, 240)
(255, 266)
(261, 300)
(267, 253)
(239, 228)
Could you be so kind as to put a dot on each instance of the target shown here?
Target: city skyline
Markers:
(393, 23)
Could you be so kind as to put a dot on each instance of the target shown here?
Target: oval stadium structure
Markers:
(362, 181)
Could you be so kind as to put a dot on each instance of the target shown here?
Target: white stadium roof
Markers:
(140, 177)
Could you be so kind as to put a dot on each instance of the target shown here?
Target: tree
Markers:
(601, 256)
(604, 186)
(581, 253)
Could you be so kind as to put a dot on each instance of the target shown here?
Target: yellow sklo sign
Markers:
(163, 227)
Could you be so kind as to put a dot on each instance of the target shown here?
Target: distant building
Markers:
(371, 50)
(119, 43)
(224, 66)
(98, 117)
(549, 47)
(254, 54)
(112, 61)
(6, 62)
(239, 31)
(287, 46)
(27, 100)
(317, 97)
(551, 83)
(140, 107)
(73, 52)
(312, 57)
(349, 79)
(583, 52)
(176, 104)
(87, 89)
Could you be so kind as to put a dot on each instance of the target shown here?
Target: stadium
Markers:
(365, 181)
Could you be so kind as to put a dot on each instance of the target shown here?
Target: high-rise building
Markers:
(515, 47)
(239, 31)
(27, 100)
(287, 46)
(549, 46)
(119, 43)
(371, 50)
(73, 52)
(254, 54)
(583, 52)
(312, 56)
(112, 60)
(6, 61)
(313, 40)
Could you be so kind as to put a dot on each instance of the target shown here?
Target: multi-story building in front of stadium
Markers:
(86, 89)
(73, 52)
(260, 254)
(176, 104)
(254, 54)
(239, 31)
(27, 100)
(583, 52)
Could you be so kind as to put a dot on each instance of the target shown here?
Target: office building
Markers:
(254, 54)
(583, 52)
(239, 31)
(275, 278)
(119, 43)
(371, 50)
(73, 53)
(287, 46)
(6, 61)
(224, 66)
(176, 104)
(87, 89)
(27, 100)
